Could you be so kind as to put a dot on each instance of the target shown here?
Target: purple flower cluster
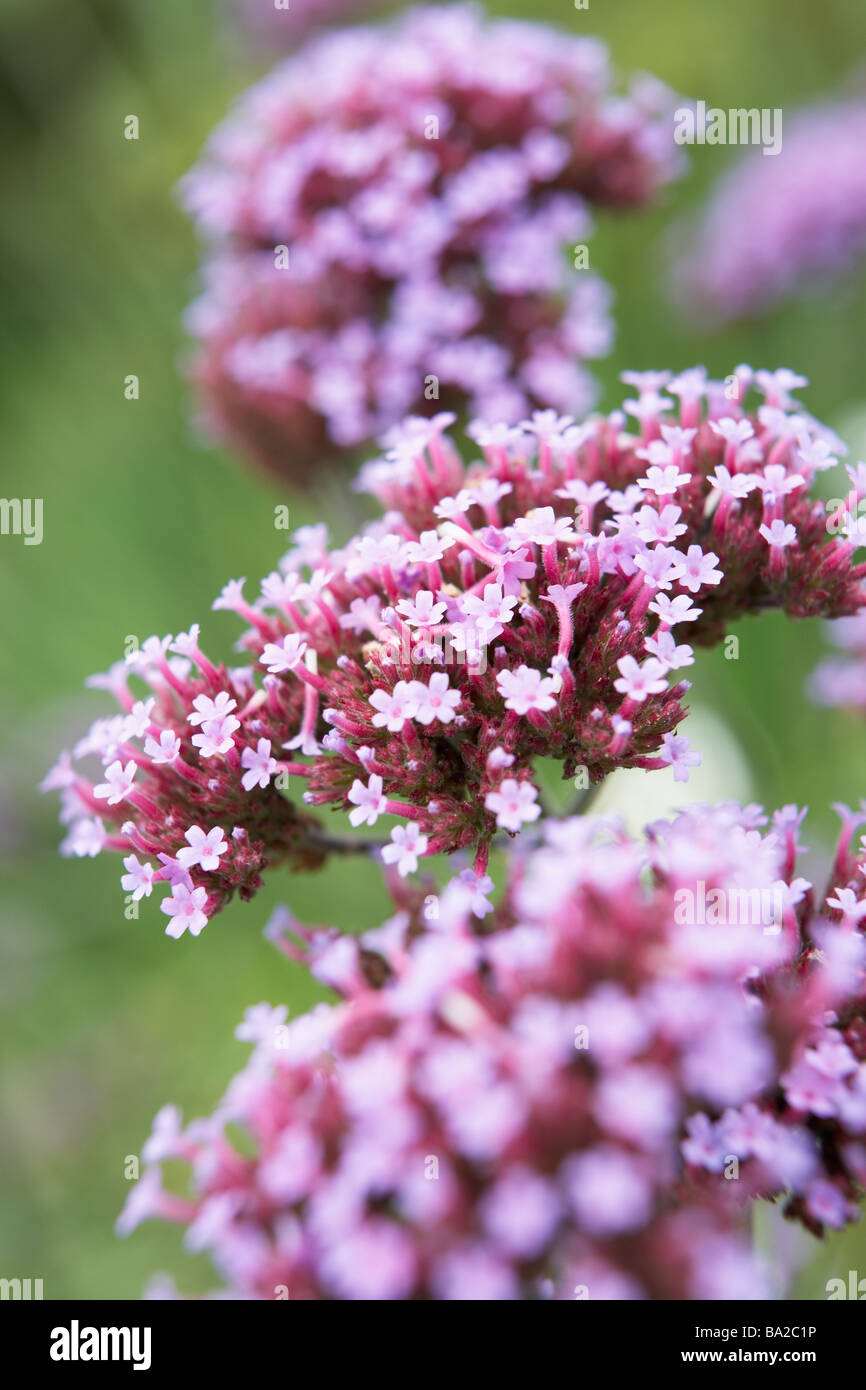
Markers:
(386, 217)
(777, 226)
(841, 680)
(575, 1093)
(533, 604)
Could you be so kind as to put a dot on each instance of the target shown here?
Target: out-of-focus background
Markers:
(103, 1019)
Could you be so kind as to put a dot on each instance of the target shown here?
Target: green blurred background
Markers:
(103, 1020)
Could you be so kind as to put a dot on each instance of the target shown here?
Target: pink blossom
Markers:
(185, 907)
(637, 682)
(86, 838)
(664, 647)
(696, 569)
(654, 526)
(671, 611)
(492, 612)
(394, 708)
(542, 527)
(206, 710)
(778, 535)
(204, 849)
(118, 782)
(678, 754)
(407, 843)
(738, 485)
(368, 801)
(260, 766)
(138, 879)
(513, 804)
(435, 699)
(165, 750)
(609, 1193)
(215, 737)
(664, 482)
(526, 689)
(283, 656)
(421, 611)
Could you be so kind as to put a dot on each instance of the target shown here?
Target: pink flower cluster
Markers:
(781, 225)
(841, 680)
(386, 217)
(184, 757)
(573, 1094)
(530, 605)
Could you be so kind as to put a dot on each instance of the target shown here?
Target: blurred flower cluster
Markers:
(390, 219)
(573, 1094)
(782, 225)
(529, 605)
(841, 680)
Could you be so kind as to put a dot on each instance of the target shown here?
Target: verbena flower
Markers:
(781, 225)
(577, 1093)
(387, 216)
(541, 602)
(176, 801)
(841, 680)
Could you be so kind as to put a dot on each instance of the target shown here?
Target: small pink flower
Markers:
(186, 909)
(394, 708)
(679, 754)
(204, 849)
(86, 839)
(543, 527)
(737, 485)
(637, 682)
(846, 902)
(283, 656)
(732, 431)
(422, 611)
(778, 535)
(664, 482)
(492, 612)
(435, 700)
(696, 569)
(526, 689)
(231, 595)
(206, 710)
(513, 804)
(260, 766)
(166, 750)
(138, 879)
(671, 611)
(118, 783)
(369, 802)
(216, 736)
(407, 845)
(663, 646)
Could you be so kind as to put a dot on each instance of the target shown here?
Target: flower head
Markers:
(764, 235)
(423, 680)
(383, 199)
(506, 1105)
